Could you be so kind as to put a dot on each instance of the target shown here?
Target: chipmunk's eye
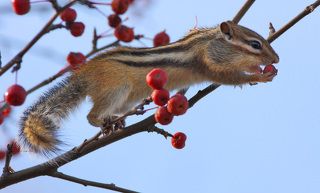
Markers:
(255, 44)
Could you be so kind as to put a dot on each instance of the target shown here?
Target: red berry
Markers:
(1, 119)
(124, 33)
(68, 15)
(15, 148)
(75, 59)
(270, 68)
(162, 116)
(21, 7)
(15, 95)
(178, 104)
(157, 78)
(131, 1)
(77, 28)
(120, 6)
(178, 140)
(2, 154)
(160, 97)
(6, 111)
(114, 20)
(161, 39)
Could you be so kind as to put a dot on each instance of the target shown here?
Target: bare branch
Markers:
(243, 11)
(90, 183)
(18, 58)
(47, 81)
(7, 169)
(162, 132)
(296, 19)
(271, 29)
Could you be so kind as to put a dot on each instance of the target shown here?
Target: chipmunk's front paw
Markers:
(267, 77)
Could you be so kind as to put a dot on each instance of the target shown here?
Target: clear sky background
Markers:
(258, 139)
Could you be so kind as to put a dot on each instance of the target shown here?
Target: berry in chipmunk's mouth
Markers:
(257, 69)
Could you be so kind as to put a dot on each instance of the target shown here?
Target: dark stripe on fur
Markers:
(178, 46)
(155, 63)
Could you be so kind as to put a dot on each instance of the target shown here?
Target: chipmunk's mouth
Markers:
(255, 69)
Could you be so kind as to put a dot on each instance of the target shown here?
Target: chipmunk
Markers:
(228, 54)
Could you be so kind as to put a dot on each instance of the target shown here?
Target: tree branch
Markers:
(18, 58)
(243, 11)
(7, 169)
(295, 20)
(90, 183)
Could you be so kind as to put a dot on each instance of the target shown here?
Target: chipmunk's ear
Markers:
(226, 30)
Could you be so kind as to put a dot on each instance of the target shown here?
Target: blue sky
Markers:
(261, 138)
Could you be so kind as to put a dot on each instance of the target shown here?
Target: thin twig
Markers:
(162, 132)
(113, 44)
(55, 5)
(111, 186)
(292, 22)
(95, 39)
(45, 82)
(272, 30)
(56, 26)
(7, 169)
(18, 58)
(243, 11)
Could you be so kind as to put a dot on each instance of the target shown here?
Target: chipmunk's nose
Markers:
(276, 59)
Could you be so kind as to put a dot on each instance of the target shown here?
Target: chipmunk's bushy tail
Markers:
(40, 122)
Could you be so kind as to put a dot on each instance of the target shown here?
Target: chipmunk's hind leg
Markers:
(106, 105)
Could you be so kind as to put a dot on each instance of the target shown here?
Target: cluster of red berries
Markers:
(69, 15)
(15, 150)
(121, 32)
(124, 33)
(168, 107)
(76, 59)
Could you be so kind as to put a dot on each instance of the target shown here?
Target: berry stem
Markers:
(150, 109)
(105, 36)
(7, 169)
(39, 1)
(105, 33)
(101, 12)
(99, 3)
(16, 77)
(162, 132)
